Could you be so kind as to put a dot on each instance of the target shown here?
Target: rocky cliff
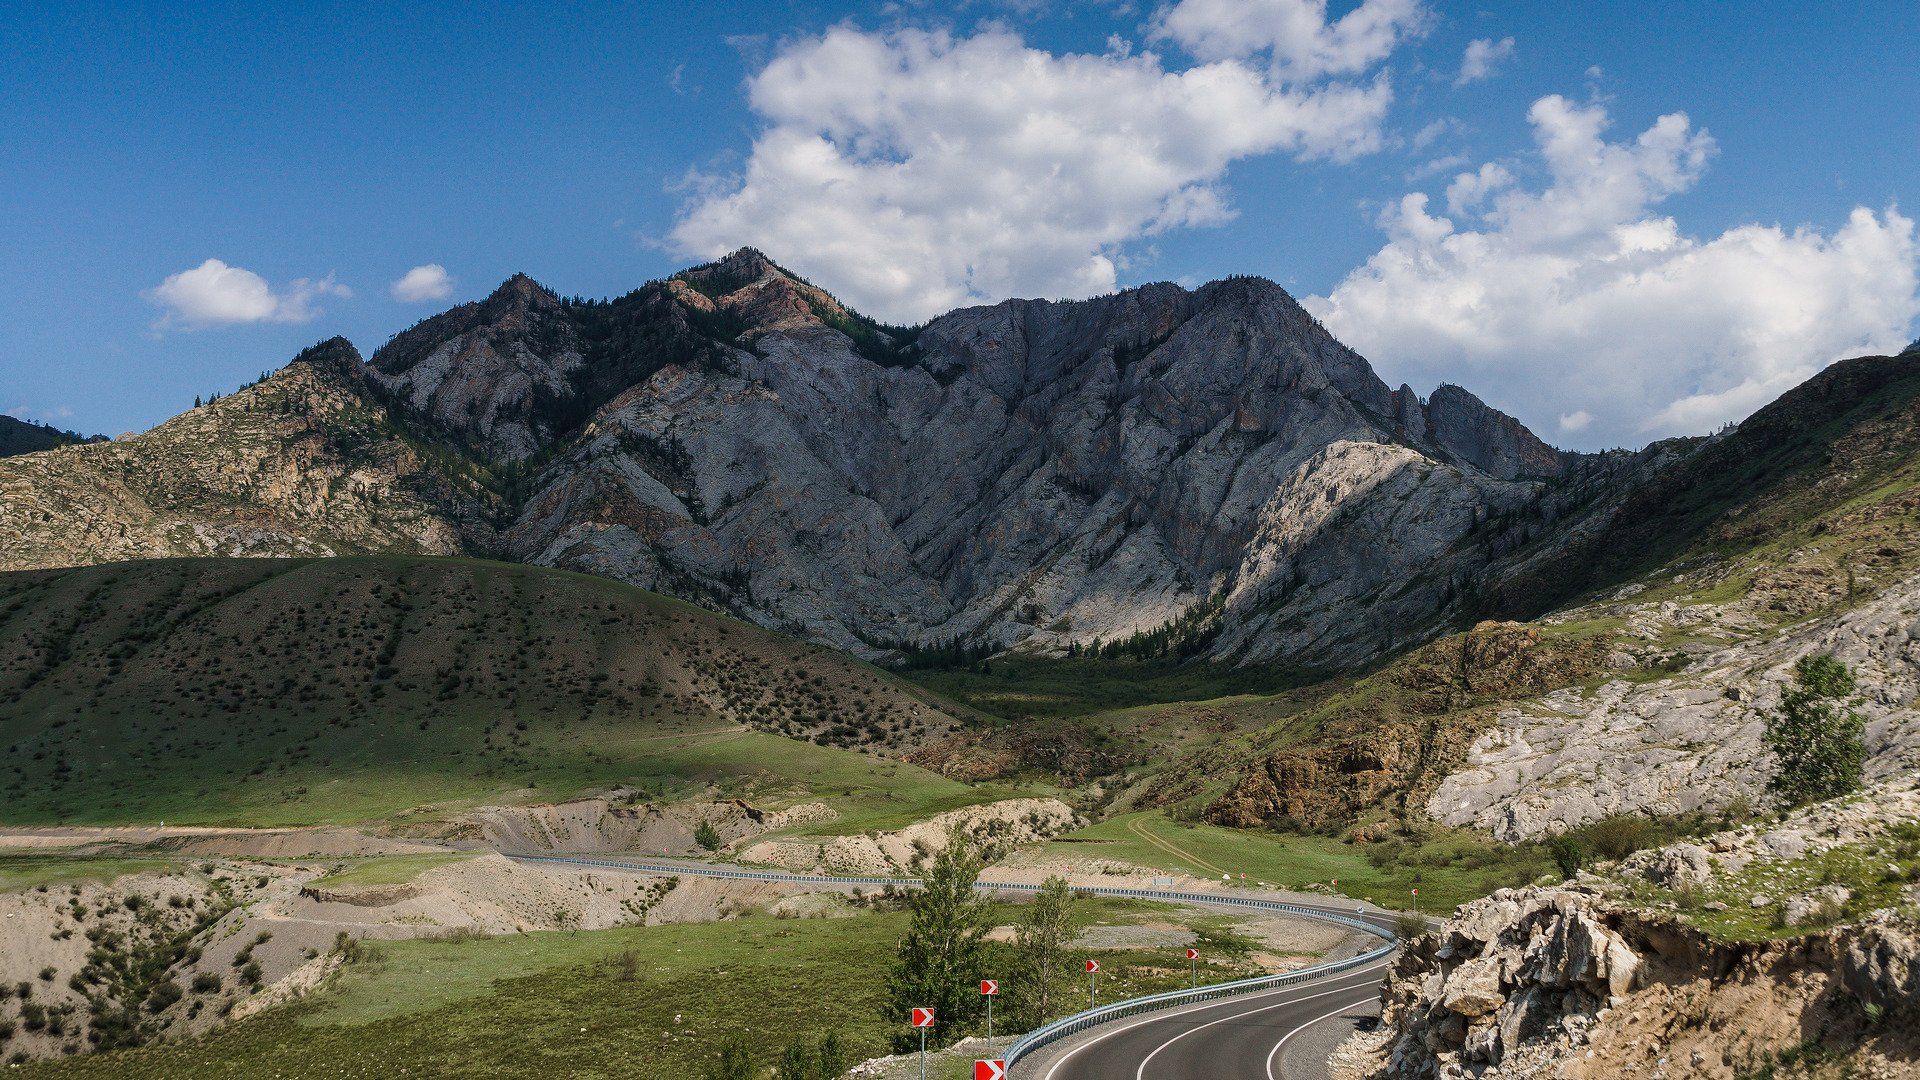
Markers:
(1789, 944)
(1051, 474)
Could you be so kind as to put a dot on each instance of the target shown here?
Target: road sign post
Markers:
(1093, 982)
(923, 1019)
(1193, 960)
(989, 989)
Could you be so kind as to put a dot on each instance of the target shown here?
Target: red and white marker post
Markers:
(1093, 979)
(990, 1070)
(1193, 960)
(989, 989)
(923, 1019)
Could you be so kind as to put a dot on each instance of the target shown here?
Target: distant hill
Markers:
(304, 463)
(25, 437)
(256, 690)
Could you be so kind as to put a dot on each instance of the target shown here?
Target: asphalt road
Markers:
(1240, 1038)
(1237, 1038)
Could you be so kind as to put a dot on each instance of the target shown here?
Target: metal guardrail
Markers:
(1090, 1018)
(1080, 1021)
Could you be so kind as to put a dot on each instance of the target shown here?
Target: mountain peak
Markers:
(335, 356)
(1490, 440)
(520, 290)
(734, 272)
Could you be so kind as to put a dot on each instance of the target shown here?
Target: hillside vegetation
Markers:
(282, 691)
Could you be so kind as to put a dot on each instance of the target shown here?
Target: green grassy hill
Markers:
(262, 691)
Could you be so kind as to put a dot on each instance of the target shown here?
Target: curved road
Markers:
(1240, 1038)
(1236, 1038)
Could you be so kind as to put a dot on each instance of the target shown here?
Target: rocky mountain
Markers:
(1696, 587)
(23, 437)
(1200, 472)
(1052, 474)
(303, 463)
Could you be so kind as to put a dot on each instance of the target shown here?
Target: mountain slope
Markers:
(285, 690)
(1031, 472)
(1160, 469)
(303, 463)
(21, 437)
(1728, 559)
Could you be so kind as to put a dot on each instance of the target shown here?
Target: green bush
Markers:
(707, 836)
(1818, 745)
(1617, 837)
(1569, 855)
(736, 1061)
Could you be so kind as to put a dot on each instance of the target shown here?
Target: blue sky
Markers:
(1648, 280)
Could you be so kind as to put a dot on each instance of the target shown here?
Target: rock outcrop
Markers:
(1405, 729)
(1689, 741)
(995, 827)
(1556, 983)
(1648, 967)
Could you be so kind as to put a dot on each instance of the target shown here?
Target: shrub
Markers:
(206, 983)
(1818, 745)
(832, 1057)
(736, 1062)
(162, 995)
(1617, 837)
(1408, 925)
(707, 836)
(1569, 855)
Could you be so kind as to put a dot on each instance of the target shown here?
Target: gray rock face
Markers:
(1046, 474)
(1207, 468)
(1692, 741)
(474, 370)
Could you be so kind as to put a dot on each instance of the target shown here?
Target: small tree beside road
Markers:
(942, 958)
(1041, 941)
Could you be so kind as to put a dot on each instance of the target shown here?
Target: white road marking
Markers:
(1156, 1018)
(1274, 1054)
(1141, 1072)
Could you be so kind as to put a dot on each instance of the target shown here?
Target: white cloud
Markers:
(215, 294)
(421, 284)
(1574, 298)
(1483, 55)
(1299, 41)
(915, 171)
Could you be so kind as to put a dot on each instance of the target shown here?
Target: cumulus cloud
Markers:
(421, 284)
(215, 294)
(914, 171)
(1572, 297)
(1483, 55)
